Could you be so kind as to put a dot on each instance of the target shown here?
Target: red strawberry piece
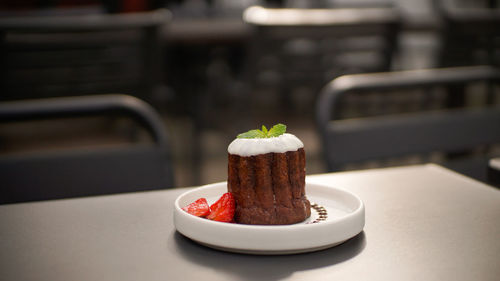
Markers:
(198, 208)
(223, 209)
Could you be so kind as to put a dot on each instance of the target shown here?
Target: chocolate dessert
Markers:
(266, 176)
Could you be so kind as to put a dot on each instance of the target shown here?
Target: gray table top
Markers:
(422, 223)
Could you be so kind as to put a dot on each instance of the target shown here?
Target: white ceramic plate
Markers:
(345, 219)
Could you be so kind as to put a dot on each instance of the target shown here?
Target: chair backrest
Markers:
(48, 56)
(311, 46)
(354, 140)
(85, 171)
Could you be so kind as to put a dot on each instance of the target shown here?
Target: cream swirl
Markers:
(251, 147)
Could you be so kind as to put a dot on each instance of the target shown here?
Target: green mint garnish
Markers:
(276, 131)
(252, 134)
(264, 130)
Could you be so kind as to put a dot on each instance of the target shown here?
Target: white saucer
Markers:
(345, 219)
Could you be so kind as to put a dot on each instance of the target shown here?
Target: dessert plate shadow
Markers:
(336, 216)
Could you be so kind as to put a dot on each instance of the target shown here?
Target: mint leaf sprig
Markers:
(276, 131)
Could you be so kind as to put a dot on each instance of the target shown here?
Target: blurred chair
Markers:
(84, 171)
(424, 131)
(306, 48)
(470, 33)
(49, 56)
(469, 36)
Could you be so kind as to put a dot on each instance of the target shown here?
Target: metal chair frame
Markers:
(75, 172)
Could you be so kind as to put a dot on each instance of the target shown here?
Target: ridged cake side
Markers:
(269, 188)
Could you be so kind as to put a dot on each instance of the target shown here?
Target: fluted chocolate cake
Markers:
(266, 175)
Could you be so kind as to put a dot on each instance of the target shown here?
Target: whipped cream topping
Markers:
(251, 147)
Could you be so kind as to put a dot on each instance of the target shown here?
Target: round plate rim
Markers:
(341, 229)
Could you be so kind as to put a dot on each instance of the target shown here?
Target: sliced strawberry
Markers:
(223, 209)
(198, 208)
